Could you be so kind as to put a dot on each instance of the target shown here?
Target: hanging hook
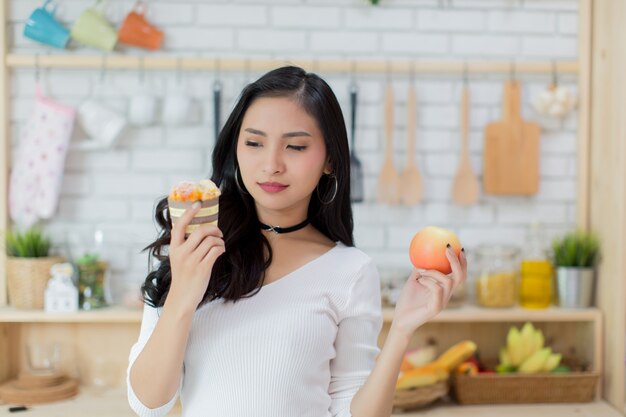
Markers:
(142, 69)
(218, 68)
(37, 68)
(513, 73)
(554, 74)
(465, 73)
(247, 70)
(412, 71)
(388, 70)
(103, 68)
(178, 70)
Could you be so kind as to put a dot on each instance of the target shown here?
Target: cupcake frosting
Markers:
(193, 191)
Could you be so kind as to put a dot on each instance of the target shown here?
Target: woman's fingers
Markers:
(178, 230)
(437, 290)
(457, 269)
(205, 246)
(200, 234)
(443, 281)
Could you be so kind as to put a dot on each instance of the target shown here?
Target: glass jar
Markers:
(496, 282)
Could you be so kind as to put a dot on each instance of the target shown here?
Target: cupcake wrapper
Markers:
(207, 214)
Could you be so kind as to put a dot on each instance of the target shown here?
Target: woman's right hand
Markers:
(192, 260)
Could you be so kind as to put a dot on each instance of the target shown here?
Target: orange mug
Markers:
(137, 31)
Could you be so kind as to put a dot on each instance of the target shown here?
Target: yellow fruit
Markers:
(552, 362)
(456, 355)
(504, 357)
(421, 377)
(514, 346)
(527, 334)
(536, 362)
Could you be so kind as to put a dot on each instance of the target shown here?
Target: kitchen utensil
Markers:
(217, 100)
(511, 151)
(465, 183)
(356, 168)
(388, 179)
(93, 29)
(43, 27)
(137, 31)
(410, 179)
(37, 173)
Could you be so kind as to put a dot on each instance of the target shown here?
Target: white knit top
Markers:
(302, 346)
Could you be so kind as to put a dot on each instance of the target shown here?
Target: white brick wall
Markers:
(115, 190)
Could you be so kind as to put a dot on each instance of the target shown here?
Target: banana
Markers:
(536, 362)
(505, 359)
(514, 346)
(552, 362)
(527, 334)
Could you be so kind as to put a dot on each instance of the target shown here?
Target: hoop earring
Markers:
(241, 190)
(333, 176)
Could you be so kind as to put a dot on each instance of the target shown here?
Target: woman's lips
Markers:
(272, 187)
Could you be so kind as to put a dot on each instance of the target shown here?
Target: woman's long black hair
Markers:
(241, 269)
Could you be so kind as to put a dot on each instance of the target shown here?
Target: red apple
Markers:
(428, 248)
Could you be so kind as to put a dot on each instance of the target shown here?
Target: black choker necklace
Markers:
(278, 229)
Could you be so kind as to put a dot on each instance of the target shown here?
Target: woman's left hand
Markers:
(426, 293)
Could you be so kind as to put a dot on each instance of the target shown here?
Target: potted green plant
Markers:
(92, 281)
(28, 266)
(576, 256)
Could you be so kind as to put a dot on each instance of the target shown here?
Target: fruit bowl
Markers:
(407, 400)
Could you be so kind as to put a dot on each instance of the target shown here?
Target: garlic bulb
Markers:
(555, 101)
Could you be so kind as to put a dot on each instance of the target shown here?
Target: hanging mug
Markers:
(102, 124)
(93, 29)
(43, 27)
(137, 31)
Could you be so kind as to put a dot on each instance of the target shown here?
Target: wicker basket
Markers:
(573, 387)
(27, 279)
(411, 399)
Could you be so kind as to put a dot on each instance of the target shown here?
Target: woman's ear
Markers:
(328, 168)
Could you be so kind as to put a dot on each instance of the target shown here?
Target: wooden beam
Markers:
(607, 185)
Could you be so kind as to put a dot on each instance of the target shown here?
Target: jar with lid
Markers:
(536, 271)
(496, 282)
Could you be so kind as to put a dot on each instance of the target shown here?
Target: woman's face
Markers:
(281, 154)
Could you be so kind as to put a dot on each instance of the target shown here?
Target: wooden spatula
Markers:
(388, 192)
(465, 183)
(511, 150)
(410, 179)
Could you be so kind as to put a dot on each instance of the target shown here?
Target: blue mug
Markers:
(43, 27)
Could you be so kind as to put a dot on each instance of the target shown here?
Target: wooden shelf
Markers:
(115, 314)
(119, 314)
(113, 403)
(475, 314)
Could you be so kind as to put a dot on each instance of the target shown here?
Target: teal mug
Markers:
(43, 27)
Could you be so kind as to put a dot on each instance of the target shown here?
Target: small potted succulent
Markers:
(575, 257)
(28, 266)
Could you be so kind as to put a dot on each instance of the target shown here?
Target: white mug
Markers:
(102, 124)
(143, 109)
(176, 108)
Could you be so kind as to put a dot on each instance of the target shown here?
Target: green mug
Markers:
(93, 29)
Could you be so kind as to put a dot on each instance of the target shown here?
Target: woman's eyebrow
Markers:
(286, 135)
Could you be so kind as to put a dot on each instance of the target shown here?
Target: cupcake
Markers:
(183, 195)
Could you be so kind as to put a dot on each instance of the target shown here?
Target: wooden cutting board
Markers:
(511, 149)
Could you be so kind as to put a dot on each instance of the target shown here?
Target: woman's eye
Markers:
(297, 148)
(253, 144)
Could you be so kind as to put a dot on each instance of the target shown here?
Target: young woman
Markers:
(275, 313)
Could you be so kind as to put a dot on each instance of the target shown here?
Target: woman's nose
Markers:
(273, 162)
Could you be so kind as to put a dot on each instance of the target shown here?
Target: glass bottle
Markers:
(536, 271)
(496, 283)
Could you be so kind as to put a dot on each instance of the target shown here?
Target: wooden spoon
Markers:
(388, 180)
(465, 183)
(410, 179)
